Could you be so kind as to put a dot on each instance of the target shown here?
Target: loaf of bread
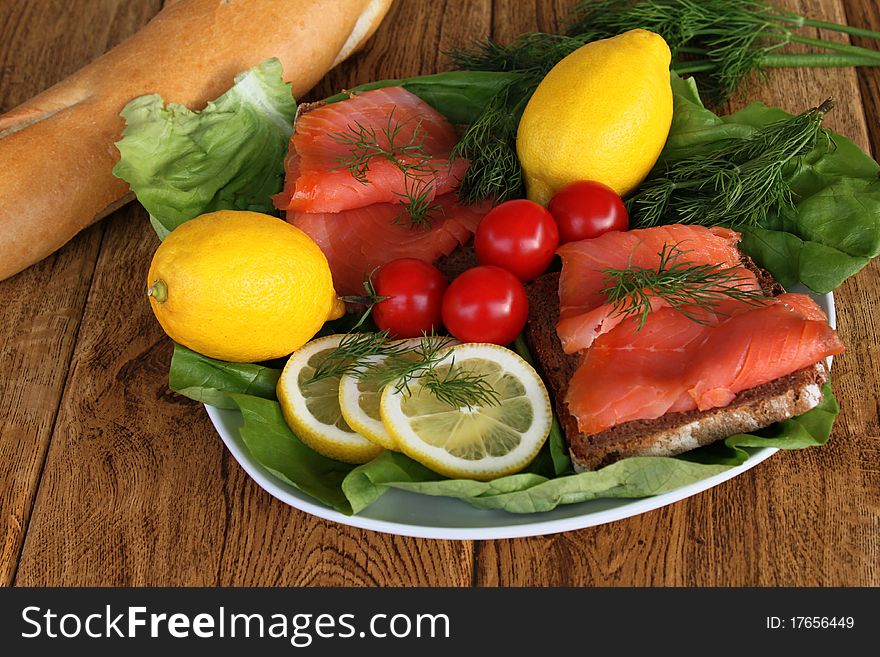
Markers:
(673, 433)
(57, 148)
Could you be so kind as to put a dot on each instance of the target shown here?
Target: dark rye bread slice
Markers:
(457, 262)
(673, 433)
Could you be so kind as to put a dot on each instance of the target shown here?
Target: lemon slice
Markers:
(312, 410)
(359, 396)
(482, 442)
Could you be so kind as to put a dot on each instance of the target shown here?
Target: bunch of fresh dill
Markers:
(490, 145)
(739, 182)
(722, 40)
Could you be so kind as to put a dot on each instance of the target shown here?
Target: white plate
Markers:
(411, 514)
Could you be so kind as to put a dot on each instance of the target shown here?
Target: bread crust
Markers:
(673, 433)
(59, 146)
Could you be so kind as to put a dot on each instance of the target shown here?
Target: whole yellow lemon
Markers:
(602, 113)
(241, 286)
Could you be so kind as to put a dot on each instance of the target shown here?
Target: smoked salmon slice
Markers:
(756, 347)
(355, 242)
(631, 374)
(582, 280)
(584, 311)
(672, 363)
(365, 129)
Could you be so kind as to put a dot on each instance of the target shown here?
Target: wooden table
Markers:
(109, 478)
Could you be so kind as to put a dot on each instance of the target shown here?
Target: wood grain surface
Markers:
(109, 478)
(41, 309)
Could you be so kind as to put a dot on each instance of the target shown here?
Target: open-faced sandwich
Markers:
(657, 341)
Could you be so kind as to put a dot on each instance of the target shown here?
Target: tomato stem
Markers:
(363, 299)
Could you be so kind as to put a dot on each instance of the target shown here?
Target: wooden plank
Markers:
(803, 518)
(867, 14)
(126, 495)
(411, 41)
(864, 291)
(40, 43)
(512, 17)
(138, 488)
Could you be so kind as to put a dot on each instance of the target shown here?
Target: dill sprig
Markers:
(402, 368)
(740, 182)
(402, 363)
(365, 143)
(418, 201)
(687, 288)
(456, 387)
(460, 388)
(351, 351)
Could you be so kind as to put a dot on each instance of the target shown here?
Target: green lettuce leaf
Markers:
(832, 231)
(693, 126)
(211, 381)
(460, 96)
(524, 492)
(230, 155)
(274, 446)
(812, 429)
(643, 476)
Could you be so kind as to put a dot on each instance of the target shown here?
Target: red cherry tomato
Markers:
(485, 304)
(415, 293)
(586, 209)
(519, 236)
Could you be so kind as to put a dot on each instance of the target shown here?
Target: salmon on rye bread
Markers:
(674, 384)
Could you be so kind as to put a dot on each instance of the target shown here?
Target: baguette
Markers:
(673, 433)
(58, 148)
